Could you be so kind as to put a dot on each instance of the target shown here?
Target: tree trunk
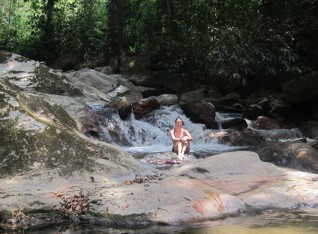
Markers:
(48, 41)
(115, 33)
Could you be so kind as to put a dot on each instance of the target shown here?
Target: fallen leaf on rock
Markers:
(57, 195)
(128, 182)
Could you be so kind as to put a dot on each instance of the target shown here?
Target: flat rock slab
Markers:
(210, 188)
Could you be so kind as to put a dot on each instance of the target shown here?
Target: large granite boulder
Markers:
(302, 89)
(297, 155)
(38, 133)
(200, 112)
(145, 106)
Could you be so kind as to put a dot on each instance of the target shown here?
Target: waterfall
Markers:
(281, 135)
(151, 133)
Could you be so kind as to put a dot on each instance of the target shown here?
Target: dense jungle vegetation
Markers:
(247, 42)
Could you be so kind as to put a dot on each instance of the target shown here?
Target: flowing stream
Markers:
(266, 223)
(150, 136)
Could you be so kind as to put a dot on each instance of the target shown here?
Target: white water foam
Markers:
(151, 134)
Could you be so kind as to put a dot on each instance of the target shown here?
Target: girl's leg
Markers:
(184, 147)
(180, 148)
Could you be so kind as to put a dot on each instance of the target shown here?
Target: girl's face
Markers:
(178, 122)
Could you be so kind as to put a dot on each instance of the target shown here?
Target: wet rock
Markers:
(91, 125)
(246, 137)
(310, 129)
(263, 122)
(123, 106)
(145, 106)
(252, 112)
(200, 112)
(235, 123)
(297, 155)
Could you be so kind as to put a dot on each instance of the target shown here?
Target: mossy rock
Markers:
(37, 135)
(53, 115)
(53, 83)
(4, 56)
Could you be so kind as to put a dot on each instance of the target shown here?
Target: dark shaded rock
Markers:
(274, 152)
(148, 92)
(246, 137)
(297, 155)
(252, 112)
(200, 112)
(160, 80)
(193, 95)
(236, 108)
(302, 89)
(66, 62)
(230, 99)
(123, 107)
(263, 122)
(310, 129)
(91, 124)
(274, 106)
(235, 123)
(278, 106)
(145, 106)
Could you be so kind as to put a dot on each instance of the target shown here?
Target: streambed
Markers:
(264, 223)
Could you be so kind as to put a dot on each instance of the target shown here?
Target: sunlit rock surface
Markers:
(216, 187)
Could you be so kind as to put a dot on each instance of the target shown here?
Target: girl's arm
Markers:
(188, 135)
(173, 136)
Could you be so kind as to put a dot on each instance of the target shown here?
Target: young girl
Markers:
(180, 139)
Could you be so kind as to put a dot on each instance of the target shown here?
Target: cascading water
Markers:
(150, 137)
(281, 135)
(151, 134)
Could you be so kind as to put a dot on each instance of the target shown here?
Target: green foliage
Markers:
(139, 18)
(76, 27)
(242, 42)
(81, 27)
(213, 40)
(14, 28)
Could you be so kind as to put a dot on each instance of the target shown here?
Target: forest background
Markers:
(251, 44)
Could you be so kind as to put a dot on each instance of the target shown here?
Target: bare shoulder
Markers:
(187, 133)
